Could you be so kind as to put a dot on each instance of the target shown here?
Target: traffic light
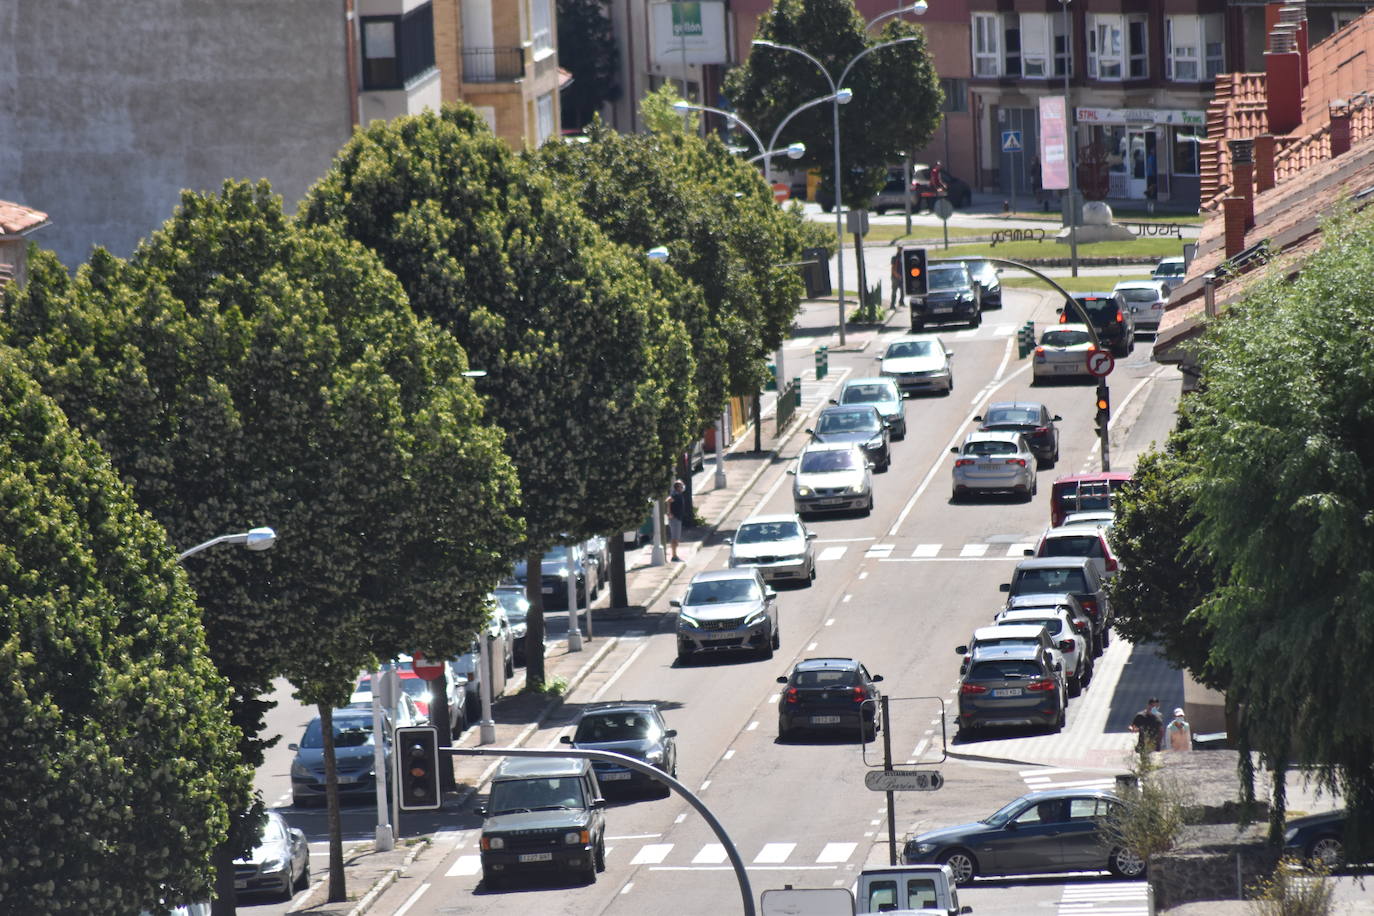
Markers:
(914, 271)
(1104, 408)
(417, 767)
(816, 274)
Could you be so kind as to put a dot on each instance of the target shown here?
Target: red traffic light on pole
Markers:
(417, 768)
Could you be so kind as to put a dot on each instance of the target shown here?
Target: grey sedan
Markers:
(994, 462)
(881, 393)
(832, 477)
(279, 864)
(727, 609)
(779, 546)
(1063, 352)
(918, 364)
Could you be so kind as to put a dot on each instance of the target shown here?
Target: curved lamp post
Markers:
(766, 153)
(254, 539)
(835, 96)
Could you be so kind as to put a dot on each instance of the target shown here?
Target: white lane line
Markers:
(1018, 550)
(939, 464)
(1116, 414)
(710, 854)
(842, 540)
(880, 550)
(920, 748)
(728, 754)
(635, 836)
(652, 854)
(680, 818)
(927, 550)
(626, 888)
(973, 550)
(812, 647)
(836, 852)
(773, 698)
(601, 691)
(844, 600)
(704, 786)
(831, 553)
(464, 865)
(751, 726)
(830, 622)
(774, 853)
(411, 900)
(863, 575)
(1002, 330)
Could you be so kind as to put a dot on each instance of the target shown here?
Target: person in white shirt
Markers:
(1178, 736)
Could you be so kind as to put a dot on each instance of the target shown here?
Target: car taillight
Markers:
(1111, 565)
(1042, 684)
(1092, 348)
(1090, 605)
(1039, 351)
(1119, 318)
(1063, 317)
(972, 688)
(1041, 430)
(963, 462)
(1066, 645)
(860, 694)
(1081, 626)
(1020, 461)
(791, 695)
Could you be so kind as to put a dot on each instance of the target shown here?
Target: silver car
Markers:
(881, 393)
(918, 364)
(1170, 271)
(832, 476)
(1146, 299)
(994, 462)
(724, 610)
(779, 546)
(1063, 352)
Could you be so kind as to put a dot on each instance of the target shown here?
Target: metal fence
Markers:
(493, 65)
(789, 401)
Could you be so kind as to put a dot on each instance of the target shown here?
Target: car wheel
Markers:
(684, 657)
(869, 510)
(600, 859)
(288, 884)
(1035, 485)
(962, 863)
(1075, 686)
(917, 326)
(783, 731)
(976, 320)
(1061, 721)
(1328, 851)
(1125, 864)
(304, 880)
(811, 576)
(777, 638)
(1025, 493)
(767, 651)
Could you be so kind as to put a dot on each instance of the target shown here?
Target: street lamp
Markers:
(656, 555)
(919, 8)
(835, 95)
(766, 154)
(254, 539)
(1071, 129)
(791, 151)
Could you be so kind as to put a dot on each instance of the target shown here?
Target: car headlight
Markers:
(495, 842)
(803, 491)
(856, 489)
(274, 864)
(923, 849)
(300, 770)
(875, 442)
(687, 620)
(756, 617)
(563, 573)
(573, 837)
(654, 756)
(518, 630)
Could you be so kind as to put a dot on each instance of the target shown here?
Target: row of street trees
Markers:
(1246, 542)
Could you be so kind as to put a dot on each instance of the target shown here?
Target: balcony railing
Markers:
(493, 65)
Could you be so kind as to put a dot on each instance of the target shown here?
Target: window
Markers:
(987, 44)
(1193, 48)
(543, 118)
(1213, 44)
(396, 49)
(541, 25)
(379, 53)
(956, 95)
(1118, 47)
(1042, 38)
(1186, 145)
(1138, 48)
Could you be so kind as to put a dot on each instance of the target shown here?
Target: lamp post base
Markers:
(384, 841)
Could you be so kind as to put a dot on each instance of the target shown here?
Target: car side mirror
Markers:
(675, 603)
(810, 431)
(977, 419)
(968, 909)
(954, 451)
(1028, 552)
(769, 592)
(792, 471)
(670, 733)
(1056, 418)
(566, 739)
(598, 802)
(878, 358)
(961, 650)
(876, 678)
(730, 540)
(293, 746)
(1005, 587)
(833, 401)
(480, 811)
(811, 535)
(1059, 311)
(1058, 667)
(782, 680)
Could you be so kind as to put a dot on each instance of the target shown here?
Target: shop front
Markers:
(1148, 154)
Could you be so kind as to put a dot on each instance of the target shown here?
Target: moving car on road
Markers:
(994, 462)
(950, 297)
(1062, 353)
(1055, 830)
(832, 477)
(881, 393)
(553, 576)
(829, 694)
(633, 729)
(727, 610)
(989, 282)
(1147, 300)
(918, 364)
(279, 864)
(779, 546)
(1169, 270)
(1318, 838)
(544, 814)
(1033, 421)
(862, 425)
(1110, 316)
(354, 758)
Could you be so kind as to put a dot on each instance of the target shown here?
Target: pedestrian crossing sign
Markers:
(1011, 141)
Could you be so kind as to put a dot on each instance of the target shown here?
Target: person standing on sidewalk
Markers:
(677, 513)
(1148, 726)
(1178, 734)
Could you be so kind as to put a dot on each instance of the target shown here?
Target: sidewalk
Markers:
(518, 715)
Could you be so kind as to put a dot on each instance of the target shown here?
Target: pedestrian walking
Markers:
(677, 511)
(1178, 734)
(1148, 726)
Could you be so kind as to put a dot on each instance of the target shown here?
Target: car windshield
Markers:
(721, 591)
(1086, 545)
(516, 605)
(1140, 295)
(868, 394)
(1052, 625)
(994, 447)
(616, 726)
(948, 278)
(558, 553)
(976, 267)
(1169, 269)
(905, 348)
(1050, 581)
(1065, 338)
(1012, 416)
(349, 731)
(541, 794)
(1005, 813)
(848, 421)
(762, 532)
(821, 462)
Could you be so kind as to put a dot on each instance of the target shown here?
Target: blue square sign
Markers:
(1011, 141)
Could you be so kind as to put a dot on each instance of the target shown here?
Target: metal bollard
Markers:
(822, 362)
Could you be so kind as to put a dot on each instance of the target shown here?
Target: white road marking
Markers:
(773, 698)
(635, 836)
(410, 901)
(880, 550)
(774, 853)
(836, 852)
(704, 786)
(728, 754)
(973, 550)
(651, 854)
(831, 621)
(831, 553)
(710, 854)
(1018, 550)
(842, 540)
(751, 726)
(464, 865)
(812, 647)
(1002, 330)
(626, 888)
(927, 550)
(680, 818)
(863, 575)
(844, 600)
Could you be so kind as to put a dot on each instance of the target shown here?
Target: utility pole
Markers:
(1071, 128)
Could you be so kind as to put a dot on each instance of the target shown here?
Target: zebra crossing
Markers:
(891, 552)
(1113, 899)
(1041, 778)
(983, 331)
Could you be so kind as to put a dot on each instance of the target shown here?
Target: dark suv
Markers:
(544, 814)
(1033, 421)
(951, 296)
(1011, 685)
(1075, 576)
(1110, 316)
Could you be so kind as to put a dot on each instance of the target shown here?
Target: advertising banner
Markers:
(1054, 144)
(688, 31)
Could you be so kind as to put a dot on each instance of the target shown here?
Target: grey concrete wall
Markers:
(109, 109)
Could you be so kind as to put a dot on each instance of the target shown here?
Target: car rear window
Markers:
(1065, 338)
(995, 447)
(1052, 625)
(1012, 416)
(868, 394)
(826, 677)
(1139, 295)
(1049, 581)
(1097, 306)
(1002, 669)
(1087, 545)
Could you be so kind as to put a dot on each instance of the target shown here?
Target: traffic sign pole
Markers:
(887, 768)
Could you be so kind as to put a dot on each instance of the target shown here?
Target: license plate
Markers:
(829, 502)
(825, 720)
(939, 309)
(609, 777)
(548, 589)
(728, 634)
(241, 885)
(536, 857)
(1007, 692)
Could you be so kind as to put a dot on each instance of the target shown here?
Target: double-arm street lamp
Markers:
(766, 153)
(835, 98)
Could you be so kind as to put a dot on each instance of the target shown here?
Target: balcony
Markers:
(493, 65)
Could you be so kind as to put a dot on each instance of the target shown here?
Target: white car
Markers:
(1147, 300)
(1102, 518)
(1171, 271)
(832, 476)
(918, 364)
(1062, 353)
(1078, 541)
(779, 546)
(1073, 646)
(994, 461)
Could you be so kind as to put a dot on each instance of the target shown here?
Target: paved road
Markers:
(898, 590)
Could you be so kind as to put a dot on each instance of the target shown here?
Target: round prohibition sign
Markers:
(1101, 363)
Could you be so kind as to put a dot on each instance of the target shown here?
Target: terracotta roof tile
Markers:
(16, 219)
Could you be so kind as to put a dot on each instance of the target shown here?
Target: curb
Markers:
(389, 878)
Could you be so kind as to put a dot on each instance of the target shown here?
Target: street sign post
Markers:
(1011, 145)
(781, 192)
(944, 209)
(1101, 363)
(904, 780)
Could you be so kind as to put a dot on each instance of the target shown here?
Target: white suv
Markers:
(1073, 647)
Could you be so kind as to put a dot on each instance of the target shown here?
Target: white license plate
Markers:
(829, 502)
(728, 634)
(1007, 692)
(240, 885)
(825, 720)
(536, 857)
(548, 589)
(610, 777)
(941, 309)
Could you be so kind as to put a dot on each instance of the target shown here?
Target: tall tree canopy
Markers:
(587, 370)
(587, 48)
(116, 736)
(897, 95)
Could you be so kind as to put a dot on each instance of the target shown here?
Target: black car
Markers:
(1052, 831)
(1110, 316)
(950, 297)
(860, 424)
(989, 280)
(1033, 421)
(1011, 685)
(543, 815)
(829, 694)
(1318, 837)
(635, 730)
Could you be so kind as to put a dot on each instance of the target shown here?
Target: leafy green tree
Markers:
(897, 96)
(121, 766)
(587, 371)
(1284, 460)
(241, 370)
(587, 48)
